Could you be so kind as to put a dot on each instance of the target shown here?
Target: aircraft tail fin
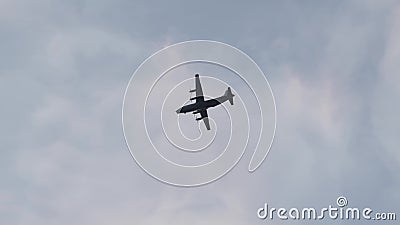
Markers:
(228, 93)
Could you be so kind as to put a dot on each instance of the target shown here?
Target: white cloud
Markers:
(70, 163)
(384, 105)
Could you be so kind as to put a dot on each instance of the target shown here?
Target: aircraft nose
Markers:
(178, 110)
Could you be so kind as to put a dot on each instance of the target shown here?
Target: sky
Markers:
(333, 67)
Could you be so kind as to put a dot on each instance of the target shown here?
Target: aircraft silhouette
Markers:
(201, 106)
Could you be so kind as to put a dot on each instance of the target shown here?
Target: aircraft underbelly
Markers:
(189, 108)
(213, 103)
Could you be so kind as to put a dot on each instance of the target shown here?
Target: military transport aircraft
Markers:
(201, 106)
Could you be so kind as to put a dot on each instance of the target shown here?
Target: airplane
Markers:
(201, 106)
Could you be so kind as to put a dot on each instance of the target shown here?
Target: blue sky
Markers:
(64, 66)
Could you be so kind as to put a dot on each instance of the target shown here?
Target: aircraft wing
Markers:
(199, 89)
(204, 117)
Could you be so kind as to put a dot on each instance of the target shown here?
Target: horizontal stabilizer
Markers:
(228, 93)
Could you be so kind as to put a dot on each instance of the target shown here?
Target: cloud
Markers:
(384, 111)
(333, 68)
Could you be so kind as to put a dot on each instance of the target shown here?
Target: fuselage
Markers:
(201, 105)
